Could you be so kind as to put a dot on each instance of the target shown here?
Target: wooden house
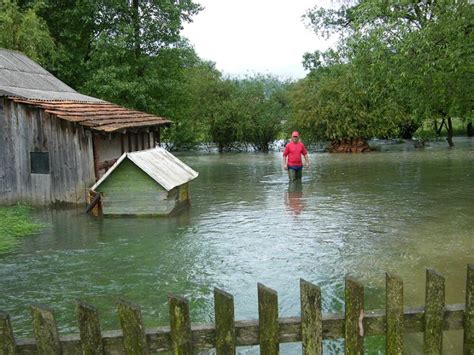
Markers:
(55, 143)
(148, 182)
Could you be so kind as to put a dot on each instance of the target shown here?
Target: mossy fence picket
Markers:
(269, 331)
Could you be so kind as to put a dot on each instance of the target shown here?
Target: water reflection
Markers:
(294, 201)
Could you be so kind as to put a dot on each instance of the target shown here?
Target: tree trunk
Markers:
(450, 132)
(349, 145)
(443, 122)
(136, 27)
(470, 129)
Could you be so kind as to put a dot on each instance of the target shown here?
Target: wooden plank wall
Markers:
(26, 129)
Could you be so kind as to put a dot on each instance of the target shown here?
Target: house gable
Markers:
(128, 190)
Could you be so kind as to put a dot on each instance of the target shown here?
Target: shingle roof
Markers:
(26, 82)
(159, 164)
(99, 116)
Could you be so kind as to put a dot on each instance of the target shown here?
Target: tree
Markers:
(419, 52)
(334, 103)
(263, 106)
(23, 30)
(94, 35)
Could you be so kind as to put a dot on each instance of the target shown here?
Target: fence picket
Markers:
(434, 313)
(354, 331)
(268, 327)
(131, 322)
(89, 329)
(225, 322)
(180, 322)
(45, 330)
(394, 315)
(7, 340)
(269, 331)
(469, 312)
(311, 318)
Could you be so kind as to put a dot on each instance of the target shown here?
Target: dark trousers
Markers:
(295, 173)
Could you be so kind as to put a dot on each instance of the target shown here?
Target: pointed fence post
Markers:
(268, 327)
(89, 329)
(354, 331)
(180, 322)
(7, 340)
(45, 330)
(434, 313)
(311, 318)
(131, 322)
(469, 312)
(225, 322)
(394, 315)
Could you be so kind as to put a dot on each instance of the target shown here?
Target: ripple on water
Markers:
(362, 215)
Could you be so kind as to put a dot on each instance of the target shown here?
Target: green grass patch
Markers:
(16, 222)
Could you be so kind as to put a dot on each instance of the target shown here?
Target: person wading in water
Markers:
(292, 157)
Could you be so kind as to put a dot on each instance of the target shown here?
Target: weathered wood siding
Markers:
(24, 130)
(109, 148)
(130, 191)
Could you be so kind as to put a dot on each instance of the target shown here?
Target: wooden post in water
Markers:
(469, 312)
(354, 331)
(7, 340)
(131, 322)
(434, 313)
(225, 322)
(268, 327)
(45, 331)
(311, 318)
(89, 329)
(394, 315)
(180, 323)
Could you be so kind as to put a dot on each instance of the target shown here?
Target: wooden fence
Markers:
(268, 331)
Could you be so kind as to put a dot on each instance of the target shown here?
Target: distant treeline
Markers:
(398, 66)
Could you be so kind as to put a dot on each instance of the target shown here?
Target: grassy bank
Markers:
(15, 222)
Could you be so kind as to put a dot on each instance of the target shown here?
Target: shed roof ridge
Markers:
(68, 101)
(47, 73)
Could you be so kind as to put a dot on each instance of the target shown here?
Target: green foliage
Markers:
(15, 222)
(248, 111)
(405, 62)
(121, 32)
(337, 103)
(23, 30)
(130, 53)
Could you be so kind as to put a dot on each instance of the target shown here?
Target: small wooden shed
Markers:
(149, 182)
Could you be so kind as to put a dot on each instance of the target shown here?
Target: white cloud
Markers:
(265, 36)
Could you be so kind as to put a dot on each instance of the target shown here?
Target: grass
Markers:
(15, 222)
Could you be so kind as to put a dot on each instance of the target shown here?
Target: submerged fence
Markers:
(268, 331)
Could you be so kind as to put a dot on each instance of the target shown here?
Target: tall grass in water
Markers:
(15, 222)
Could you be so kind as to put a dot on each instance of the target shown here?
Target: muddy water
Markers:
(397, 210)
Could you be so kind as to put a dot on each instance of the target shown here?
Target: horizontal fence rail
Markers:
(225, 334)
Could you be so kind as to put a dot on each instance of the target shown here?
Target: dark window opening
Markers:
(39, 162)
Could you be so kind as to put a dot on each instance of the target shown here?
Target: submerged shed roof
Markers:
(26, 82)
(159, 164)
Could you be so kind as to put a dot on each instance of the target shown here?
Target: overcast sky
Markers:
(254, 36)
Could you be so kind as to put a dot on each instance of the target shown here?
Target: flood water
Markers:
(399, 210)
